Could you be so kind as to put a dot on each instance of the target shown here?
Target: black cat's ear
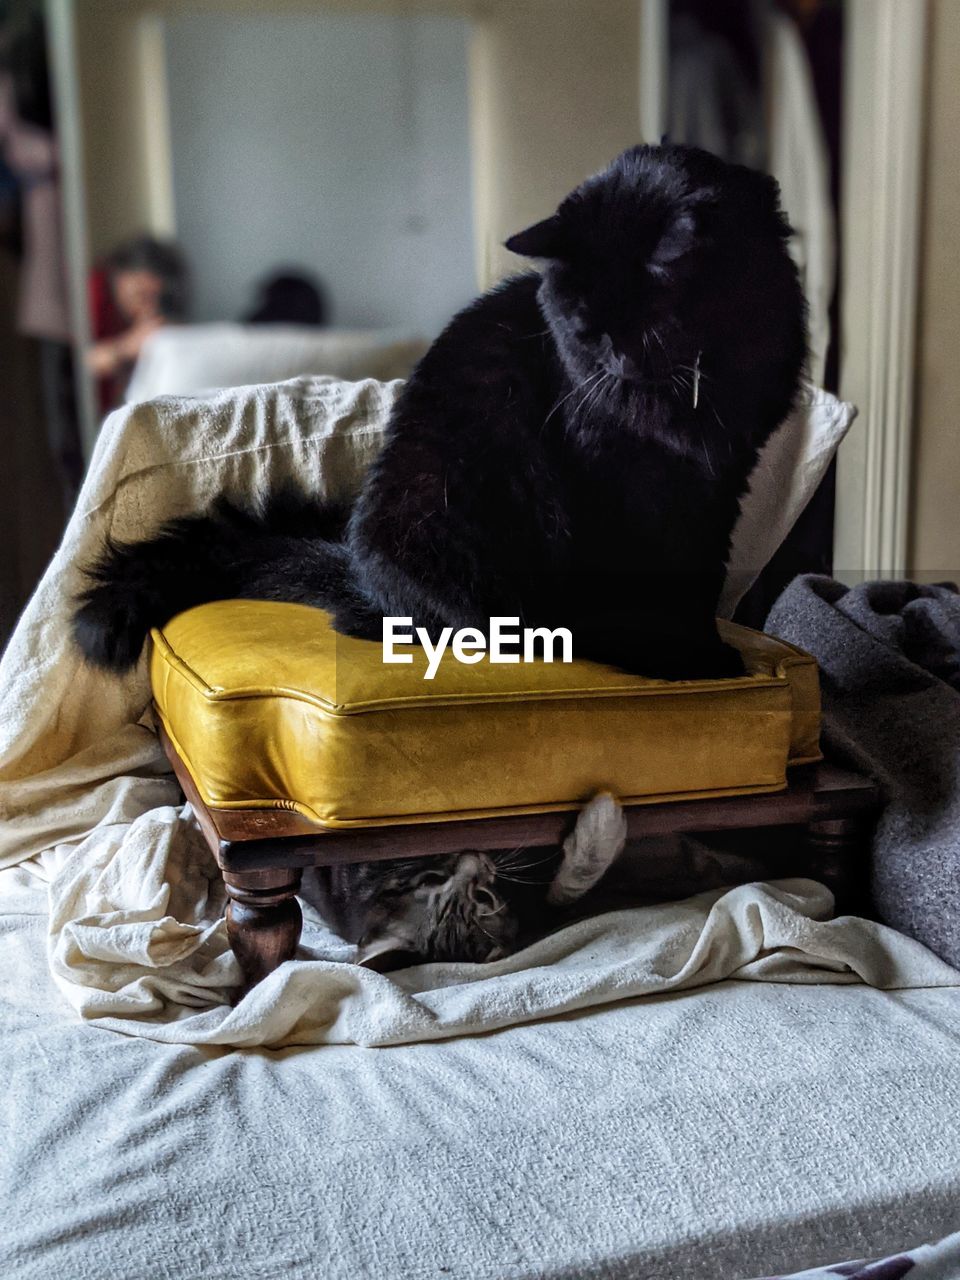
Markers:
(546, 239)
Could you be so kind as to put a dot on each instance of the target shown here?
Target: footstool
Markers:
(300, 747)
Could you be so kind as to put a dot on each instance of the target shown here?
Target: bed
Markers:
(736, 1130)
(726, 1087)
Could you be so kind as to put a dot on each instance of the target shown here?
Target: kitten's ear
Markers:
(546, 239)
(386, 951)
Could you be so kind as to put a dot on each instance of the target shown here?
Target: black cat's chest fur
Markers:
(593, 502)
(635, 498)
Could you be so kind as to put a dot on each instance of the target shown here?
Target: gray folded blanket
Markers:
(889, 655)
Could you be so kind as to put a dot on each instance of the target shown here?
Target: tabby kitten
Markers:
(470, 906)
(571, 450)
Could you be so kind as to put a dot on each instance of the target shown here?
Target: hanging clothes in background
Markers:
(29, 146)
(740, 85)
(715, 91)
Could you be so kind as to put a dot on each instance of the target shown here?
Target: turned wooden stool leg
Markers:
(263, 919)
(839, 849)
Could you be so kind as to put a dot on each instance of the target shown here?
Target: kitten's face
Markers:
(668, 264)
(448, 908)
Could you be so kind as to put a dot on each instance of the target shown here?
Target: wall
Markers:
(113, 107)
(935, 531)
(118, 94)
(555, 97)
(339, 143)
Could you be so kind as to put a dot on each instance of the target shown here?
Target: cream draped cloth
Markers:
(87, 801)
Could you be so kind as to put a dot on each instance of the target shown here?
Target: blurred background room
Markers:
(205, 193)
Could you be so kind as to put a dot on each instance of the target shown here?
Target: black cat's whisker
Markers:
(608, 380)
(646, 347)
(720, 422)
(596, 389)
(680, 385)
(579, 387)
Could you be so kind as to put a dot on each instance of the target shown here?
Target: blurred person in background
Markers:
(138, 288)
(289, 297)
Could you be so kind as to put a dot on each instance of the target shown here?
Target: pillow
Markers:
(188, 359)
(328, 431)
(790, 467)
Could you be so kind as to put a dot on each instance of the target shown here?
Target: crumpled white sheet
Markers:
(136, 934)
(137, 942)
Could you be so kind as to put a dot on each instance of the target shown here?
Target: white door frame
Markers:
(149, 108)
(884, 112)
(62, 51)
(652, 68)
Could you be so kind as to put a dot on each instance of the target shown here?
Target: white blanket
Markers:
(741, 1129)
(136, 931)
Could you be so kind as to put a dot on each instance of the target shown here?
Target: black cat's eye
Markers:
(433, 877)
(485, 899)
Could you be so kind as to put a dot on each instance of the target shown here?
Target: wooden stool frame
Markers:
(262, 873)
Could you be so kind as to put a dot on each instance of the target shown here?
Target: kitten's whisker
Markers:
(524, 880)
(505, 860)
(528, 866)
(537, 862)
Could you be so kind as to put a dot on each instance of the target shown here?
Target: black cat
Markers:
(571, 450)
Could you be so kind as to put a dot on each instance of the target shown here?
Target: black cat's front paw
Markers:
(109, 627)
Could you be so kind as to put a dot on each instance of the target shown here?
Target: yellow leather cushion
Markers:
(271, 709)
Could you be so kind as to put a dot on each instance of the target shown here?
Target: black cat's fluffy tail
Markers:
(291, 550)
